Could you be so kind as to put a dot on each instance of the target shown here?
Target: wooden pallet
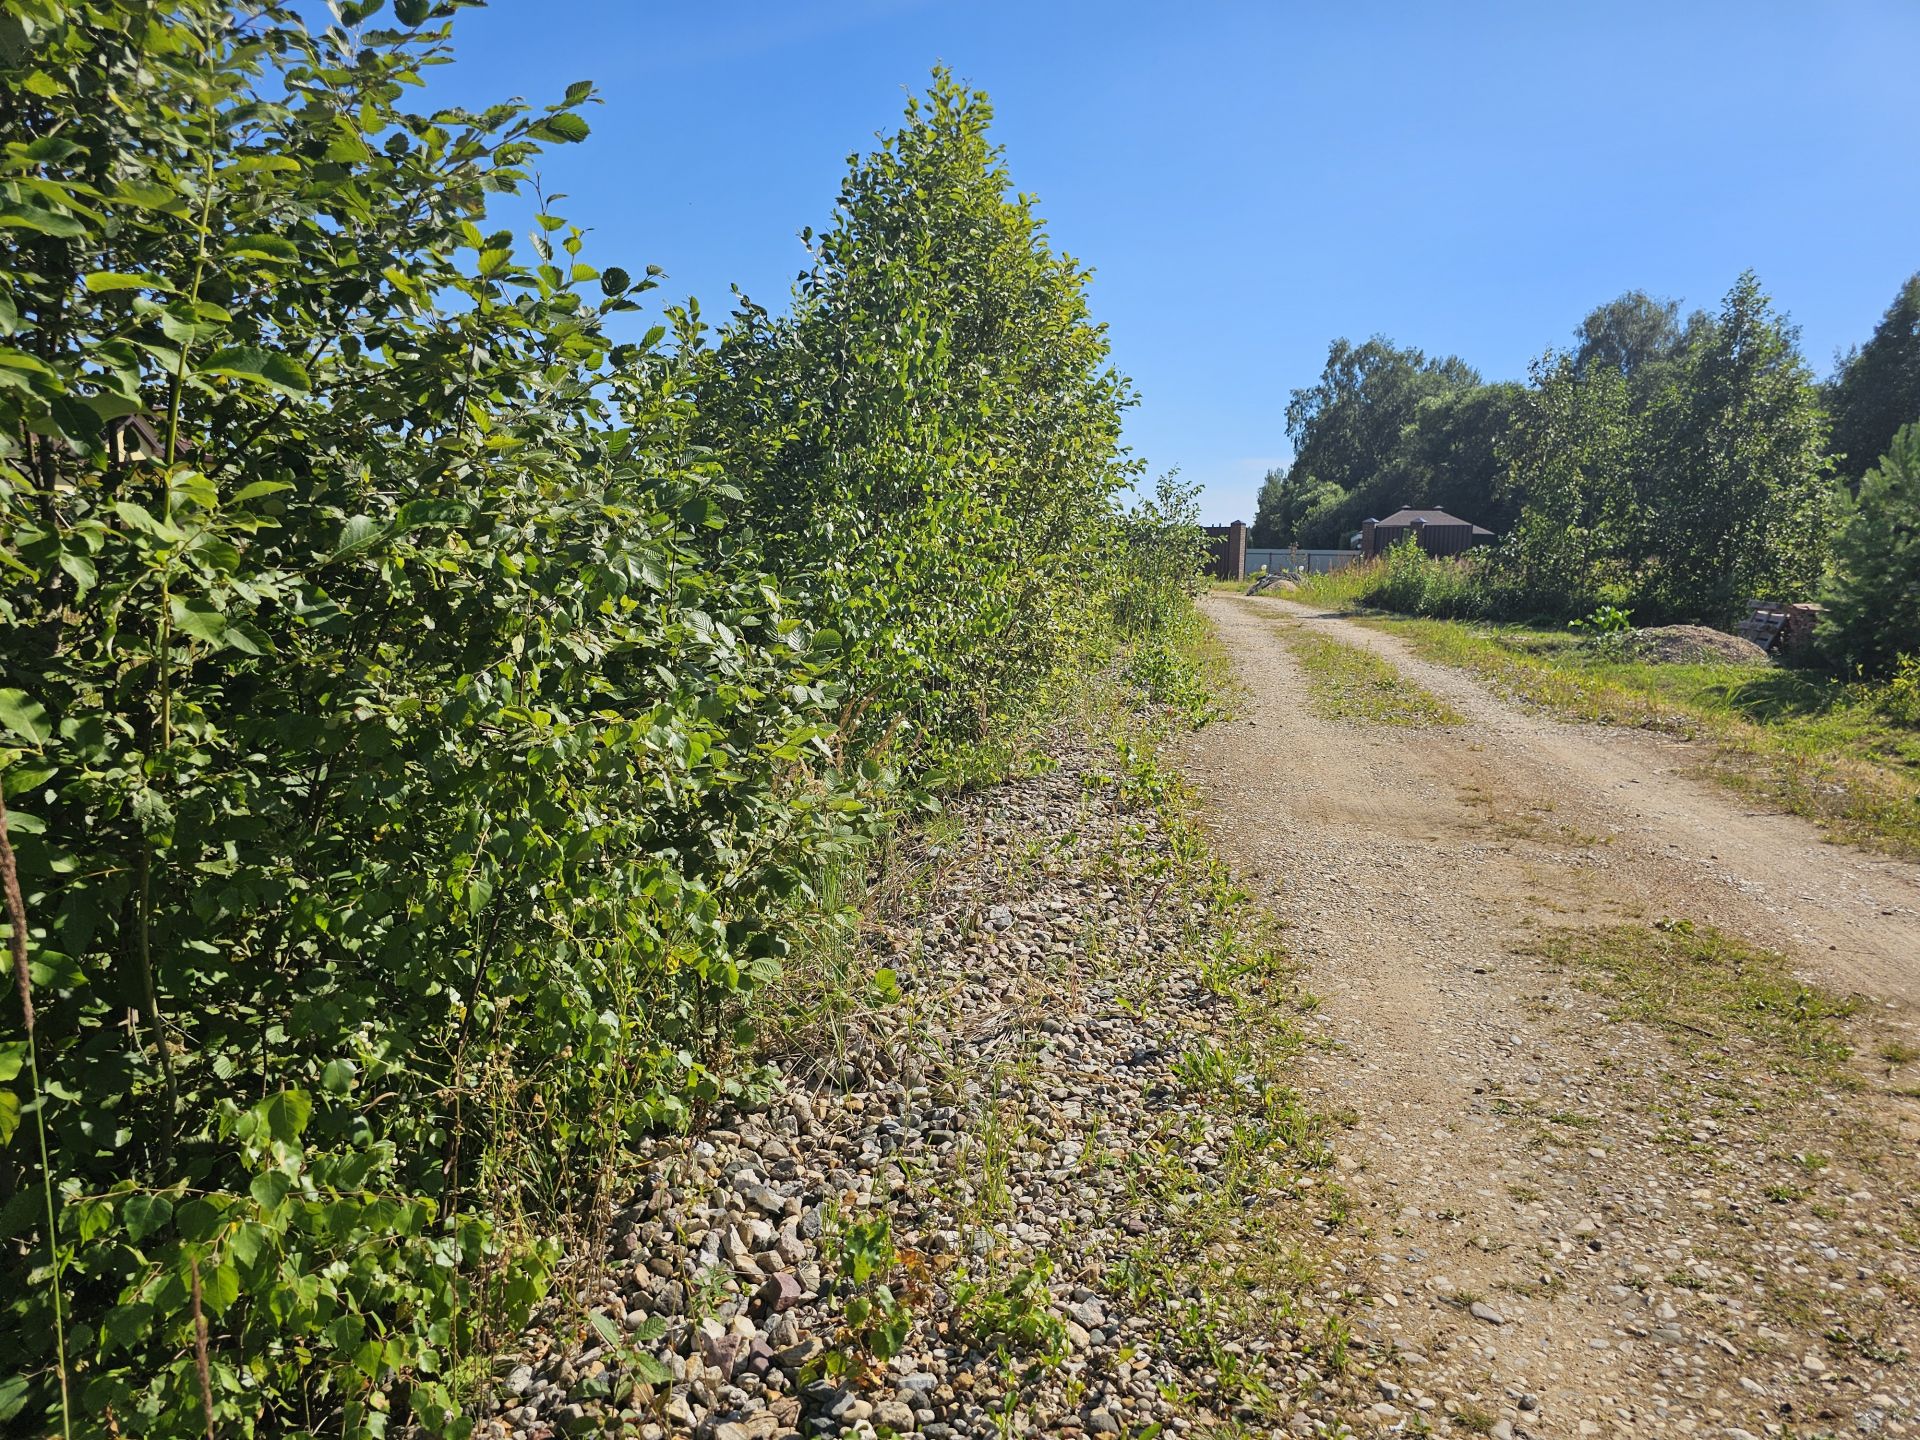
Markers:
(1778, 627)
(1764, 625)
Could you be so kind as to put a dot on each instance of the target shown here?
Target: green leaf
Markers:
(141, 519)
(566, 128)
(101, 282)
(605, 1328)
(579, 91)
(269, 1189)
(417, 513)
(273, 248)
(25, 717)
(220, 1288)
(13, 1396)
(357, 534)
(615, 281)
(144, 1214)
(412, 12)
(47, 222)
(337, 1078)
(197, 1219)
(264, 367)
(125, 1326)
(287, 1114)
(649, 1369)
(49, 150)
(257, 489)
(9, 1116)
(201, 620)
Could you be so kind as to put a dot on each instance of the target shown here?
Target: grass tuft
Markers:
(1715, 996)
(1348, 683)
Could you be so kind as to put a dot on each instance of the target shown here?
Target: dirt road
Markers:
(1576, 1228)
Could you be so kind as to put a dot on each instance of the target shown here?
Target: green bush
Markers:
(1158, 553)
(1900, 698)
(411, 768)
(1412, 582)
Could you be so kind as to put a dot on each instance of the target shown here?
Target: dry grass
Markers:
(1713, 995)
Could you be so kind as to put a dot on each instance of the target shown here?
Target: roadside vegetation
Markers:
(435, 703)
(1715, 996)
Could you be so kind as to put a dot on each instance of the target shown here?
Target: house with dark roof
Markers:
(1435, 531)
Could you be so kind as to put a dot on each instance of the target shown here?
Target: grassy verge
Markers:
(1240, 1166)
(1348, 683)
(1344, 589)
(1813, 745)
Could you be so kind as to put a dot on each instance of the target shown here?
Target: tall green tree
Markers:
(925, 441)
(404, 783)
(1735, 494)
(1877, 388)
(1448, 456)
(1873, 607)
(1628, 334)
(1346, 431)
(1570, 461)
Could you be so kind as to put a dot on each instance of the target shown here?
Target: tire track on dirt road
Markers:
(1575, 1233)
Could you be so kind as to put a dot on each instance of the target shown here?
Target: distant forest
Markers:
(1677, 463)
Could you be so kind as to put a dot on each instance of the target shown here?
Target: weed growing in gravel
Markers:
(1013, 1315)
(875, 1319)
(1348, 683)
(1240, 1152)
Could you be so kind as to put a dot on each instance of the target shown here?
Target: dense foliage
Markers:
(1873, 610)
(1677, 470)
(410, 767)
(1877, 388)
(924, 439)
(1345, 430)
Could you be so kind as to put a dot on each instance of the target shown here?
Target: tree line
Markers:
(1675, 466)
(432, 712)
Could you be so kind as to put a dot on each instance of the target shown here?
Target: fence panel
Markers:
(1299, 559)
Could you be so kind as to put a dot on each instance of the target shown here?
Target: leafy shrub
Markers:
(1412, 582)
(1159, 553)
(1899, 699)
(1016, 1315)
(412, 769)
(1602, 620)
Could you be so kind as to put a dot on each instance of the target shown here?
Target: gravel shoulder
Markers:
(1032, 1162)
(1575, 1228)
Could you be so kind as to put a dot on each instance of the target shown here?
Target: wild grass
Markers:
(1345, 589)
(1815, 746)
(1346, 682)
(1715, 996)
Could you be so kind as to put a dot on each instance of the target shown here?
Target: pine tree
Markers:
(1873, 609)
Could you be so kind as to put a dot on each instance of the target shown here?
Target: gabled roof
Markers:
(1431, 517)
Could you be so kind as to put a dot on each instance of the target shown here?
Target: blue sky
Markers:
(1251, 180)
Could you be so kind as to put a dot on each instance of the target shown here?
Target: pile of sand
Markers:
(1692, 645)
